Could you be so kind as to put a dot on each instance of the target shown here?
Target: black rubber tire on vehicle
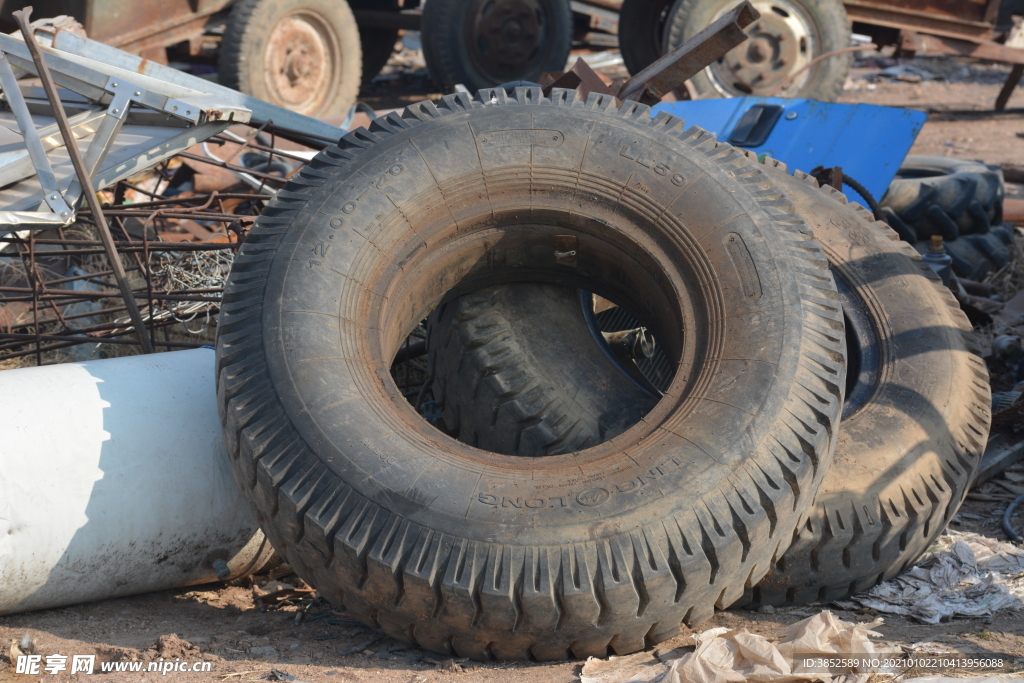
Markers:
(641, 31)
(488, 555)
(917, 415)
(299, 54)
(510, 385)
(937, 195)
(462, 40)
(827, 19)
(376, 43)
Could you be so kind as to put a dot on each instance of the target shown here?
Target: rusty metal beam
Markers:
(912, 41)
(931, 22)
(673, 69)
(581, 78)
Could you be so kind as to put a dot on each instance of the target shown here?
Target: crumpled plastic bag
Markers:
(969, 576)
(725, 655)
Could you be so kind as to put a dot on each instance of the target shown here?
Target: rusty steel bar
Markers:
(673, 69)
(43, 71)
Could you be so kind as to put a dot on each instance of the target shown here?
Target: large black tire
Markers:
(917, 415)
(484, 43)
(510, 385)
(376, 43)
(487, 555)
(812, 27)
(641, 31)
(299, 54)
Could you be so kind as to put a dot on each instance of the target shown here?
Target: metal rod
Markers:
(673, 69)
(43, 71)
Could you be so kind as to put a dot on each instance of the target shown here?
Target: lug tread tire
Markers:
(858, 537)
(492, 369)
(453, 595)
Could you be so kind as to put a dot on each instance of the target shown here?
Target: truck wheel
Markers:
(484, 43)
(497, 556)
(641, 32)
(785, 40)
(916, 417)
(510, 386)
(299, 54)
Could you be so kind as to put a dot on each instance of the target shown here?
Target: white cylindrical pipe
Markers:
(114, 481)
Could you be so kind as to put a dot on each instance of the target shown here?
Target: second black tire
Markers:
(510, 384)
(917, 415)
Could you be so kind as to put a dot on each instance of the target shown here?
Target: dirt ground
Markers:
(222, 625)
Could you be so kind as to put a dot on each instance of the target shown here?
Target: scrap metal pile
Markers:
(174, 190)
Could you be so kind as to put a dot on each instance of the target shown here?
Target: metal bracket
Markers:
(51, 191)
(124, 93)
(182, 109)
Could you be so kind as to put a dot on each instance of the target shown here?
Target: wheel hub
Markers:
(298, 62)
(506, 36)
(781, 43)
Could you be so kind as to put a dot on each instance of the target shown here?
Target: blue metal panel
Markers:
(869, 142)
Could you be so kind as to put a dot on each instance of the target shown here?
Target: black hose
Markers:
(1007, 523)
(863, 192)
(423, 391)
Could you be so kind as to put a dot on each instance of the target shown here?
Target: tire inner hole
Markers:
(629, 348)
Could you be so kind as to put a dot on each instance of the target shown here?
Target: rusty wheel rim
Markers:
(504, 37)
(783, 41)
(300, 62)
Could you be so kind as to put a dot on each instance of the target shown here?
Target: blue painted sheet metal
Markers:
(869, 142)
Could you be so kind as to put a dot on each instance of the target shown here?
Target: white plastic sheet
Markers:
(966, 576)
(726, 655)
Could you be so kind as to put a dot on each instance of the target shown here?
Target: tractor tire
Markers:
(302, 55)
(936, 195)
(786, 39)
(916, 418)
(510, 386)
(485, 43)
(469, 552)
